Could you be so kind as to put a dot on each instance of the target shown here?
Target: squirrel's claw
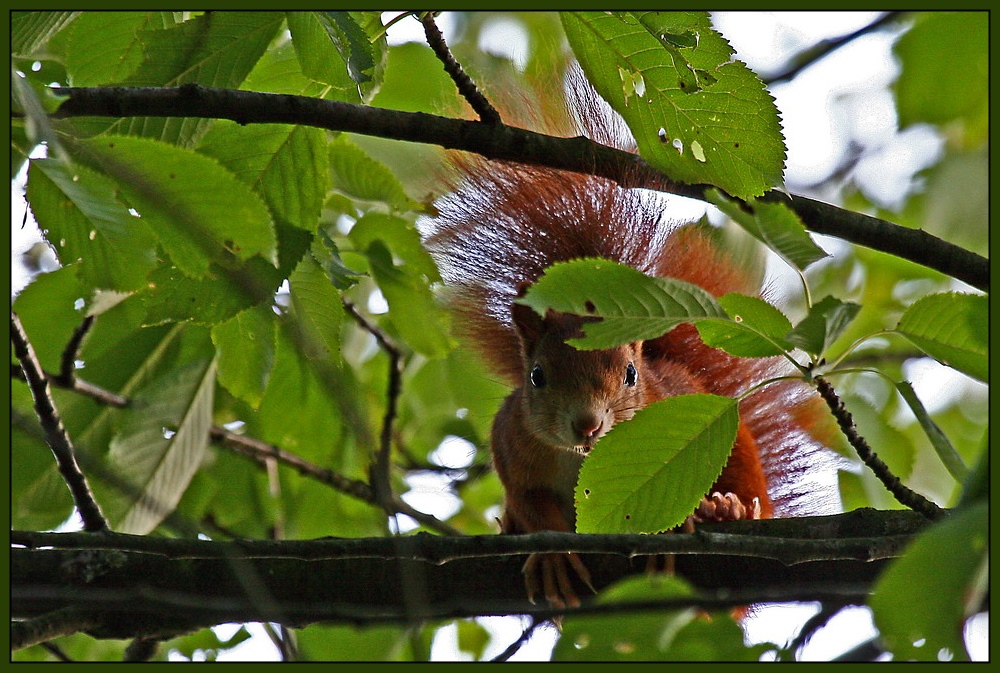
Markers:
(555, 581)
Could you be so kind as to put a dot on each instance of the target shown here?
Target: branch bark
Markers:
(497, 141)
(140, 586)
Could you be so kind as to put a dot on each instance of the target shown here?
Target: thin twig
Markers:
(487, 113)
(380, 476)
(902, 493)
(85, 388)
(55, 432)
(67, 370)
(513, 648)
(815, 623)
(824, 48)
(262, 451)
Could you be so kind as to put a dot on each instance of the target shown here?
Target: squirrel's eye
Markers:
(630, 375)
(537, 376)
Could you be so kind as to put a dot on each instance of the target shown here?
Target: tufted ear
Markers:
(530, 326)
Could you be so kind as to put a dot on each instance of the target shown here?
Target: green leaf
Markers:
(921, 602)
(352, 33)
(30, 101)
(207, 643)
(412, 307)
(696, 113)
(31, 30)
(51, 308)
(316, 51)
(161, 445)
(633, 306)
(720, 638)
(320, 642)
(775, 225)
(197, 209)
(756, 328)
(82, 218)
(649, 474)
(952, 328)
(245, 344)
(269, 158)
(400, 236)
(318, 310)
(175, 297)
(340, 273)
(279, 71)
(216, 49)
(653, 635)
(414, 62)
(359, 176)
(303, 389)
(945, 69)
(472, 638)
(105, 47)
(826, 321)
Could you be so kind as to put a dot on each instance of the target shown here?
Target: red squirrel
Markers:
(495, 234)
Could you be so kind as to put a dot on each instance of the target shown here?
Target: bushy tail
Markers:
(503, 224)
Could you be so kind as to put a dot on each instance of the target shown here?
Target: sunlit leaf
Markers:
(952, 328)
(696, 113)
(161, 445)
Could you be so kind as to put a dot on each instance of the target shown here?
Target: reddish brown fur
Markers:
(505, 224)
(497, 232)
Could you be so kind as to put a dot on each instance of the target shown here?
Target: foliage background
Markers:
(186, 335)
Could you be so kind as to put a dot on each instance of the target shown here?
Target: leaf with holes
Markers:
(695, 112)
(633, 306)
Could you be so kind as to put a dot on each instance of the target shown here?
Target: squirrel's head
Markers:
(573, 397)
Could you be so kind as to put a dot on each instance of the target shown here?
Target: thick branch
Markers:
(158, 587)
(507, 144)
(863, 535)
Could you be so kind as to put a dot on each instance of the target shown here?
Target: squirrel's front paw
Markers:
(728, 507)
(555, 580)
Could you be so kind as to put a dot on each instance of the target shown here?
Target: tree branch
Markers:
(55, 624)
(470, 92)
(142, 586)
(824, 48)
(905, 495)
(246, 446)
(863, 535)
(380, 471)
(496, 141)
(55, 432)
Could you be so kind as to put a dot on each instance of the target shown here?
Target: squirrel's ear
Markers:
(528, 323)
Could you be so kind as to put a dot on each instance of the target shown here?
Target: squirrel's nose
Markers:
(588, 426)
